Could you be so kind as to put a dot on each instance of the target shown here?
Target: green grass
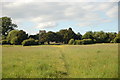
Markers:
(60, 61)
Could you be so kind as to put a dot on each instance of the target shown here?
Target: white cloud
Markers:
(113, 12)
(46, 25)
(84, 24)
(47, 14)
(92, 23)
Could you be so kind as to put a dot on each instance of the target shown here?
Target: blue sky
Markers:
(53, 16)
(107, 27)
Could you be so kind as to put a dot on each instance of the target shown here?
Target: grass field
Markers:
(56, 61)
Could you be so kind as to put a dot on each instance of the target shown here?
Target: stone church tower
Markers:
(40, 32)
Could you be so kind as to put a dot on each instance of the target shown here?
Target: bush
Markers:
(3, 37)
(81, 42)
(112, 41)
(5, 42)
(87, 41)
(20, 34)
(12, 34)
(14, 41)
(94, 41)
(71, 41)
(78, 42)
(29, 42)
(116, 40)
(75, 42)
(84, 41)
(36, 42)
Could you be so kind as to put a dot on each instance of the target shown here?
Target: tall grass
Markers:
(60, 61)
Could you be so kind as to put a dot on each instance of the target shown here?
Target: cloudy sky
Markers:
(82, 16)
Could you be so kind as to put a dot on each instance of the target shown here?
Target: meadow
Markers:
(60, 61)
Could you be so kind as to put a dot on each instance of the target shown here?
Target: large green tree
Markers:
(36, 37)
(59, 37)
(6, 25)
(67, 35)
(78, 36)
(42, 38)
(101, 37)
(62, 34)
(117, 38)
(88, 35)
(17, 36)
(51, 37)
(111, 36)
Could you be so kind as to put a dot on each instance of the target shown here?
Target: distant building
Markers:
(40, 32)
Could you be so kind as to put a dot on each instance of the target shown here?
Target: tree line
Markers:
(9, 35)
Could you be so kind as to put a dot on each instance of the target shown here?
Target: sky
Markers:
(54, 15)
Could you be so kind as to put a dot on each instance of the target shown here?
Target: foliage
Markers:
(36, 42)
(63, 36)
(3, 37)
(29, 42)
(67, 35)
(7, 25)
(87, 41)
(88, 35)
(59, 37)
(50, 37)
(12, 34)
(101, 37)
(71, 41)
(36, 37)
(42, 38)
(61, 33)
(117, 40)
(84, 41)
(8, 32)
(78, 42)
(15, 41)
(78, 36)
(111, 36)
(20, 34)
(5, 42)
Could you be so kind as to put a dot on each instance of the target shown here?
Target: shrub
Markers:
(94, 41)
(36, 42)
(81, 42)
(87, 41)
(116, 40)
(75, 42)
(5, 42)
(20, 34)
(78, 42)
(71, 41)
(29, 42)
(12, 34)
(14, 41)
(112, 41)
(3, 37)
(84, 41)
